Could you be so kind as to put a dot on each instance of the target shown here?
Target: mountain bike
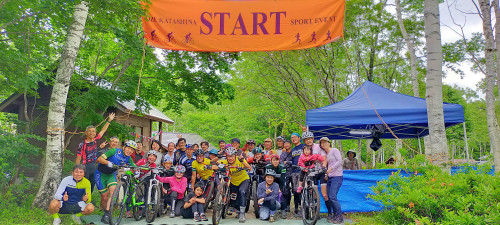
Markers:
(255, 179)
(310, 201)
(153, 194)
(222, 198)
(127, 193)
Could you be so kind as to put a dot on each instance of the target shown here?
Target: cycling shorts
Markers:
(104, 181)
(72, 208)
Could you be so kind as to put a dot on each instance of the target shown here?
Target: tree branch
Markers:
(19, 19)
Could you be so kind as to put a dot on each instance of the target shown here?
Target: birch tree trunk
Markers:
(497, 38)
(493, 129)
(434, 89)
(411, 51)
(57, 107)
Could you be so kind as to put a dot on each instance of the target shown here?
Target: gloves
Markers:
(208, 167)
(110, 164)
(221, 166)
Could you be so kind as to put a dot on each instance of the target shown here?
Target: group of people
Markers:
(193, 165)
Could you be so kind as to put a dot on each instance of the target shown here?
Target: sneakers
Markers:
(128, 215)
(197, 217)
(331, 218)
(299, 189)
(203, 217)
(339, 219)
(271, 218)
(172, 214)
(57, 221)
(284, 214)
(105, 218)
(298, 213)
(76, 219)
(242, 217)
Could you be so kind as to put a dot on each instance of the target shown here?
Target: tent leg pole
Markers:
(466, 144)
(419, 146)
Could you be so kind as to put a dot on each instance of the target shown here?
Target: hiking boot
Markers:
(242, 217)
(197, 218)
(271, 218)
(203, 217)
(76, 219)
(57, 221)
(105, 218)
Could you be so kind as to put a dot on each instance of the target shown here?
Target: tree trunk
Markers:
(489, 54)
(497, 38)
(434, 90)
(397, 153)
(57, 106)
(411, 51)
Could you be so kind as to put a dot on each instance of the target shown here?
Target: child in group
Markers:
(194, 204)
(306, 161)
(145, 162)
(267, 195)
(178, 185)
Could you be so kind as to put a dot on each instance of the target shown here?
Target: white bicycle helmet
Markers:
(231, 151)
(153, 152)
(307, 134)
(131, 144)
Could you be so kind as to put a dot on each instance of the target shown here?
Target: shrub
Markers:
(433, 196)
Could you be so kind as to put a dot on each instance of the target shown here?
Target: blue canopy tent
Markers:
(354, 117)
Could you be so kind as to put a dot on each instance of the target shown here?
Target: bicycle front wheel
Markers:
(310, 205)
(118, 203)
(138, 204)
(220, 203)
(152, 203)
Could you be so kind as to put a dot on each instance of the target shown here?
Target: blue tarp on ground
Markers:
(357, 185)
(406, 115)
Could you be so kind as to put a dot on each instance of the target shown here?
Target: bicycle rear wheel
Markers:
(209, 194)
(138, 207)
(118, 201)
(152, 203)
(255, 200)
(310, 205)
(220, 203)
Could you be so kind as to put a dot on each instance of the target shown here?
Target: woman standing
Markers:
(335, 178)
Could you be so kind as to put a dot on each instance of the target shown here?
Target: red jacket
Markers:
(143, 162)
(303, 159)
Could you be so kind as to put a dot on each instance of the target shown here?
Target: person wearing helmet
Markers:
(178, 185)
(280, 142)
(259, 160)
(280, 171)
(267, 195)
(202, 167)
(214, 156)
(239, 179)
(187, 161)
(149, 161)
(106, 172)
(350, 162)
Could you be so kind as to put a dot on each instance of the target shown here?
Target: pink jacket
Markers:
(179, 187)
(313, 157)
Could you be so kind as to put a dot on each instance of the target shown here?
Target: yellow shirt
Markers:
(237, 177)
(200, 169)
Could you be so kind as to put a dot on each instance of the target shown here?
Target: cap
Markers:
(324, 139)
(235, 140)
(268, 139)
(295, 134)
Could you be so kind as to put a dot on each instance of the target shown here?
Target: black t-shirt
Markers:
(137, 157)
(190, 195)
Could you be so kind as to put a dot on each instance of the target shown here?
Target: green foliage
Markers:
(437, 197)
(15, 206)
(16, 152)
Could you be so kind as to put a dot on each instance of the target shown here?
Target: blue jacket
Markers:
(261, 191)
